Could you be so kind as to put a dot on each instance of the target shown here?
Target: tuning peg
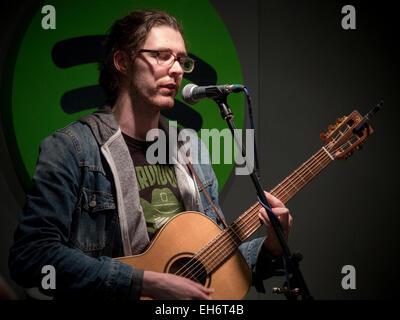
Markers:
(322, 136)
(331, 127)
(340, 120)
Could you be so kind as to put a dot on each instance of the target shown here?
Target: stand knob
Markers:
(287, 292)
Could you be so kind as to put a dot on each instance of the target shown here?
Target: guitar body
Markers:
(179, 240)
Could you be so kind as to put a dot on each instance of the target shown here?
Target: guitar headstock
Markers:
(345, 136)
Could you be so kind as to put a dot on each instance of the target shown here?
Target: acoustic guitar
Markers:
(193, 246)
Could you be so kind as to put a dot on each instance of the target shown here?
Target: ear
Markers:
(121, 61)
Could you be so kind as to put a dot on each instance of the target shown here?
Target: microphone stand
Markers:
(291, 260)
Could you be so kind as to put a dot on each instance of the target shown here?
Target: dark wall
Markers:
(303, 71)
(309, 71)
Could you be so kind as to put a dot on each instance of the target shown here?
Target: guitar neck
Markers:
(248, 222)
(221, 247)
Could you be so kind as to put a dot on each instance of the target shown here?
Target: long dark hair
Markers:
(128, 34)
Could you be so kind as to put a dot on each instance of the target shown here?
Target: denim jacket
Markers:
(84, 210)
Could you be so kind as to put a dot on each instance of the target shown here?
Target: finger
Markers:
(203, 296)
(277, 211)
(198, 291)
(281, 213)
(284, 219)
(274, 201)
(290, 220)
(201, 287)
(205, 293)
(195, 283)
(263, 217)
(208, 291)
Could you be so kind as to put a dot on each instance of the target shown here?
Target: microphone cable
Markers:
(248, 99)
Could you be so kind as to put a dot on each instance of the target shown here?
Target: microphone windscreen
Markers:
(187, 93)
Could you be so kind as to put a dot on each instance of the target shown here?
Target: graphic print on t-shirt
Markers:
(163, 206)
(149, 176)
(159, 195)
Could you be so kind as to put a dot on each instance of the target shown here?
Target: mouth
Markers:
(170, 87)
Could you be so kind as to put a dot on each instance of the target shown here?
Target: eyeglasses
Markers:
(167, 58)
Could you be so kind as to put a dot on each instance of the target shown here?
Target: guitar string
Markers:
(251, 227)
(303, 172)
(230, 246)
(278, 193)
(254, 225)
(328, 149)
(290, 180)
(228, 237)
(275, 192)
(299, 179)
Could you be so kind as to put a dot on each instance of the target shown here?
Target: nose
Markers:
(176, 68)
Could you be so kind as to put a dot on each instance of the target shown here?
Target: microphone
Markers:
(192, 93)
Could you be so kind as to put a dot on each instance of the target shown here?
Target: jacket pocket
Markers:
(94, 222)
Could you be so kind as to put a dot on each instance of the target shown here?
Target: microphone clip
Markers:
(226, 112)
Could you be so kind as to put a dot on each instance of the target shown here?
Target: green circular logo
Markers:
(55, 77)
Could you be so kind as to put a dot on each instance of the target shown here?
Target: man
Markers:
(89, 205)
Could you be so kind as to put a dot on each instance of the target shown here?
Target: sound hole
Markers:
(189, 268)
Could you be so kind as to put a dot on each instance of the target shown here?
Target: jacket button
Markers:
(93, 203)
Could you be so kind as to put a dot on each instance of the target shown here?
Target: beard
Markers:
(156, 98)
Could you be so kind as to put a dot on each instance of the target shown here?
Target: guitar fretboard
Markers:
(221, 247)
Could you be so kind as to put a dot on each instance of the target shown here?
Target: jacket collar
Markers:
(104, 125)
